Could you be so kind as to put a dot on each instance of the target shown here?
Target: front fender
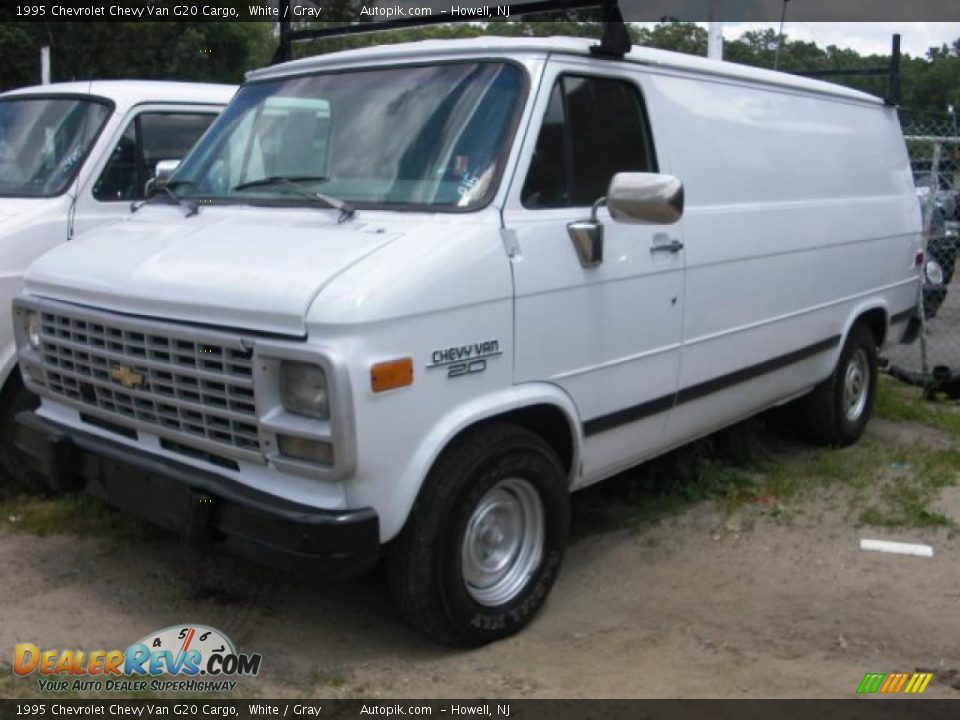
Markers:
(455, 421)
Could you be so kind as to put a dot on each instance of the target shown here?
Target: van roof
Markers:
(436, 49)
(126, 93)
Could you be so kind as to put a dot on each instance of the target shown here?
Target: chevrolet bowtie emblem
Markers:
(126, 377)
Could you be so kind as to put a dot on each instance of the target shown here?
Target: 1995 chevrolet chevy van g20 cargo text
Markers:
(388, 311)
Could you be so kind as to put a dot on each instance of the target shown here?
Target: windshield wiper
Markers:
(192, 207)
(278, 179)
(347, 210)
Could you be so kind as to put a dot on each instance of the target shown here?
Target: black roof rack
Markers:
(614, 44)
(892, 72)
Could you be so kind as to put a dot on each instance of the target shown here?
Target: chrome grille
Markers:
(183, 384)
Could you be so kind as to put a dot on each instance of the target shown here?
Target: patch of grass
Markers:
(77, 515)
(912, 512)
(332, 677)
(896, 401)
(721, 467)
(875, 482)
(913, 482)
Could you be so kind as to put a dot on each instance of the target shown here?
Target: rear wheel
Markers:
(15, 474)
(836, 412)
(485, 539)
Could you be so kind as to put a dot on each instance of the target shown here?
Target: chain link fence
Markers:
(934, 145)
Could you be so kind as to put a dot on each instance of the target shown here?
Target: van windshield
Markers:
(409, 136)
(43, 141)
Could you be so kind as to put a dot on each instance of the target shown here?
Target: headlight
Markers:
(303, 389)
(33, 329)
(934, 272)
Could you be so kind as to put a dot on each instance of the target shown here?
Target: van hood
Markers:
(247, 268)
(12, 210)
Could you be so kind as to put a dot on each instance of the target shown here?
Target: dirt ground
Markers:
(713, 601)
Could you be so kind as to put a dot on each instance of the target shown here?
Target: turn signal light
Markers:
(391, 374)
(312, 451)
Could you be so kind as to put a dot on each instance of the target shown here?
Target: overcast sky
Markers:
(865, 37)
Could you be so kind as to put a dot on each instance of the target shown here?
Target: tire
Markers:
(15, 475)
(836, 412)
(441, 570)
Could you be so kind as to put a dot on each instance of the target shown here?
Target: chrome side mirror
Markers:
(631, 198)
(645, 198)
(587, 237)
(164, 169)
(161, 174)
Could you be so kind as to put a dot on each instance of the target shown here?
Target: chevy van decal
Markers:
(461, 353)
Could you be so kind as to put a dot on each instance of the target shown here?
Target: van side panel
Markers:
(800, 213)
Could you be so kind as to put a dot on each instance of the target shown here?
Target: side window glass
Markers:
(594, 128)
(149, 138)
(546, 184)
(169, 136)
(608, 131)
(118, 181)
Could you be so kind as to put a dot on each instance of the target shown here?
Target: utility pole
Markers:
(45, 65)
(715, 31)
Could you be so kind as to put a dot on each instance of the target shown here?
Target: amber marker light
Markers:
(391, 374)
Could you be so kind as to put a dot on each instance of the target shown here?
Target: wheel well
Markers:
(876, 321)
(547, 421)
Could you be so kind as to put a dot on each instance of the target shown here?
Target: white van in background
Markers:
(404, 299)
(74, 156)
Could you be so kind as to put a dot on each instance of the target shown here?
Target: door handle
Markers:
(673, 246)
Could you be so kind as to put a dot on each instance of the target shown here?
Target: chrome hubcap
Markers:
(856, 384)
(503, 542)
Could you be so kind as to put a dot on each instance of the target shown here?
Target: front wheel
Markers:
(836, 412)
(485, 539)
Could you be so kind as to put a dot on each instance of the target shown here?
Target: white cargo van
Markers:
(73, 156)
(405, 299)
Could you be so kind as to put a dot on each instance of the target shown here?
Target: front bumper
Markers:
(203, 506)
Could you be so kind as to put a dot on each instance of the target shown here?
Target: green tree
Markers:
(677, 36)
(198, 51)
